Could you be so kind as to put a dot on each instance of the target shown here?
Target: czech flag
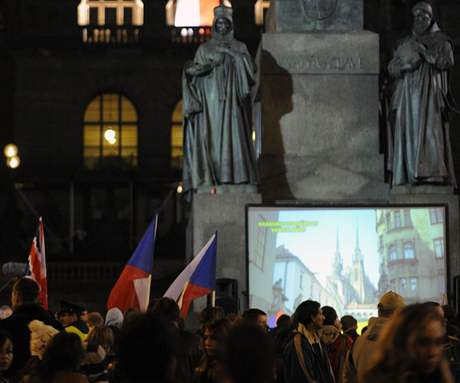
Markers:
(37, 264)
(132, 290)
(197, 279)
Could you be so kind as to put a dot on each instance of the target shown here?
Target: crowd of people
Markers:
(405, 344)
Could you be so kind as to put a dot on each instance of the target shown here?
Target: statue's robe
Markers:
(217, 117)
(421, 149)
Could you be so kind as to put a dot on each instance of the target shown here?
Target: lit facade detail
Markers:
(110, 21)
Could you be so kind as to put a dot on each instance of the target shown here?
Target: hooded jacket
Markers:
(362, 351)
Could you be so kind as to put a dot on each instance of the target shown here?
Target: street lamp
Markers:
(11, 153)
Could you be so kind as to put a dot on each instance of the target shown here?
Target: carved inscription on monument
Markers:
(323, 64)
(318, 9)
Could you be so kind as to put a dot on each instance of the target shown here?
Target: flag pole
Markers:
(213, 298)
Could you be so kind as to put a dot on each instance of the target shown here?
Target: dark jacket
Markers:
(315, 358)
(17, 324)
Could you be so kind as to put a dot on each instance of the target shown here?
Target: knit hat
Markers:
(391, 301)
(40, 335)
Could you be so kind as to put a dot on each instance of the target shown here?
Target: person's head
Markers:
(412, 341)
(389, 303)
(283, 322)
(168, 309)
(40, 336)
(257, 317)
(214, 335)
(249, 354)
(223, 20)
(114, 317)
(95, 319)
(309, 314)
(146, 349)
(83, 316)
(101, 336)
(67, 317)
(209, 314)
(5, 312)
(330, 317)
(423, 17)
(24, 291)
(63, 353)
(349, 323)
(6, 352)
(69, 313)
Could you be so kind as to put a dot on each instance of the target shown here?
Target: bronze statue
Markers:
(420, 150)
(217, 111)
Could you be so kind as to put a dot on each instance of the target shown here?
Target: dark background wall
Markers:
(47, 78)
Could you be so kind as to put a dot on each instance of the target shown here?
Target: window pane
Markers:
(177, 136)
(438, 247)
(110, 16)
(110, 108)
(92, 112)
(409, 252)
(108, 151)
(127, 152)
(128, 16)
(129, 135)
(91, 152)
(92, 135)
(93, 13)
(176, 153)
(111, 136)
(128, 112)
(177, 114)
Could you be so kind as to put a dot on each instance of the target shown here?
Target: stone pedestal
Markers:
(319, 95)
(224, 213)
(316, 15)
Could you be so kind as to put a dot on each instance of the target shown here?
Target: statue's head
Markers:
(223, 20)
(423, 17)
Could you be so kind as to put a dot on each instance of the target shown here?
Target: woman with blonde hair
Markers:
(410, 349)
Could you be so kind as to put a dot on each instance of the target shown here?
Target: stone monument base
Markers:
(226, 214)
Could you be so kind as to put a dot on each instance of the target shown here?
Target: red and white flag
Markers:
(37, 264)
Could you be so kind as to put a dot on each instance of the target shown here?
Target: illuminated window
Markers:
(260, 10)
(177, 136)
(110, 130)
(191, 20)
(110, 21)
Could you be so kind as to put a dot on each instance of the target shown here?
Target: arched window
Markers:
(409, 250)
(110, 130)
(177, 136)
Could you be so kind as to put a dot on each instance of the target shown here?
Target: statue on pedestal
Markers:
(420, 149)
(218, 149)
